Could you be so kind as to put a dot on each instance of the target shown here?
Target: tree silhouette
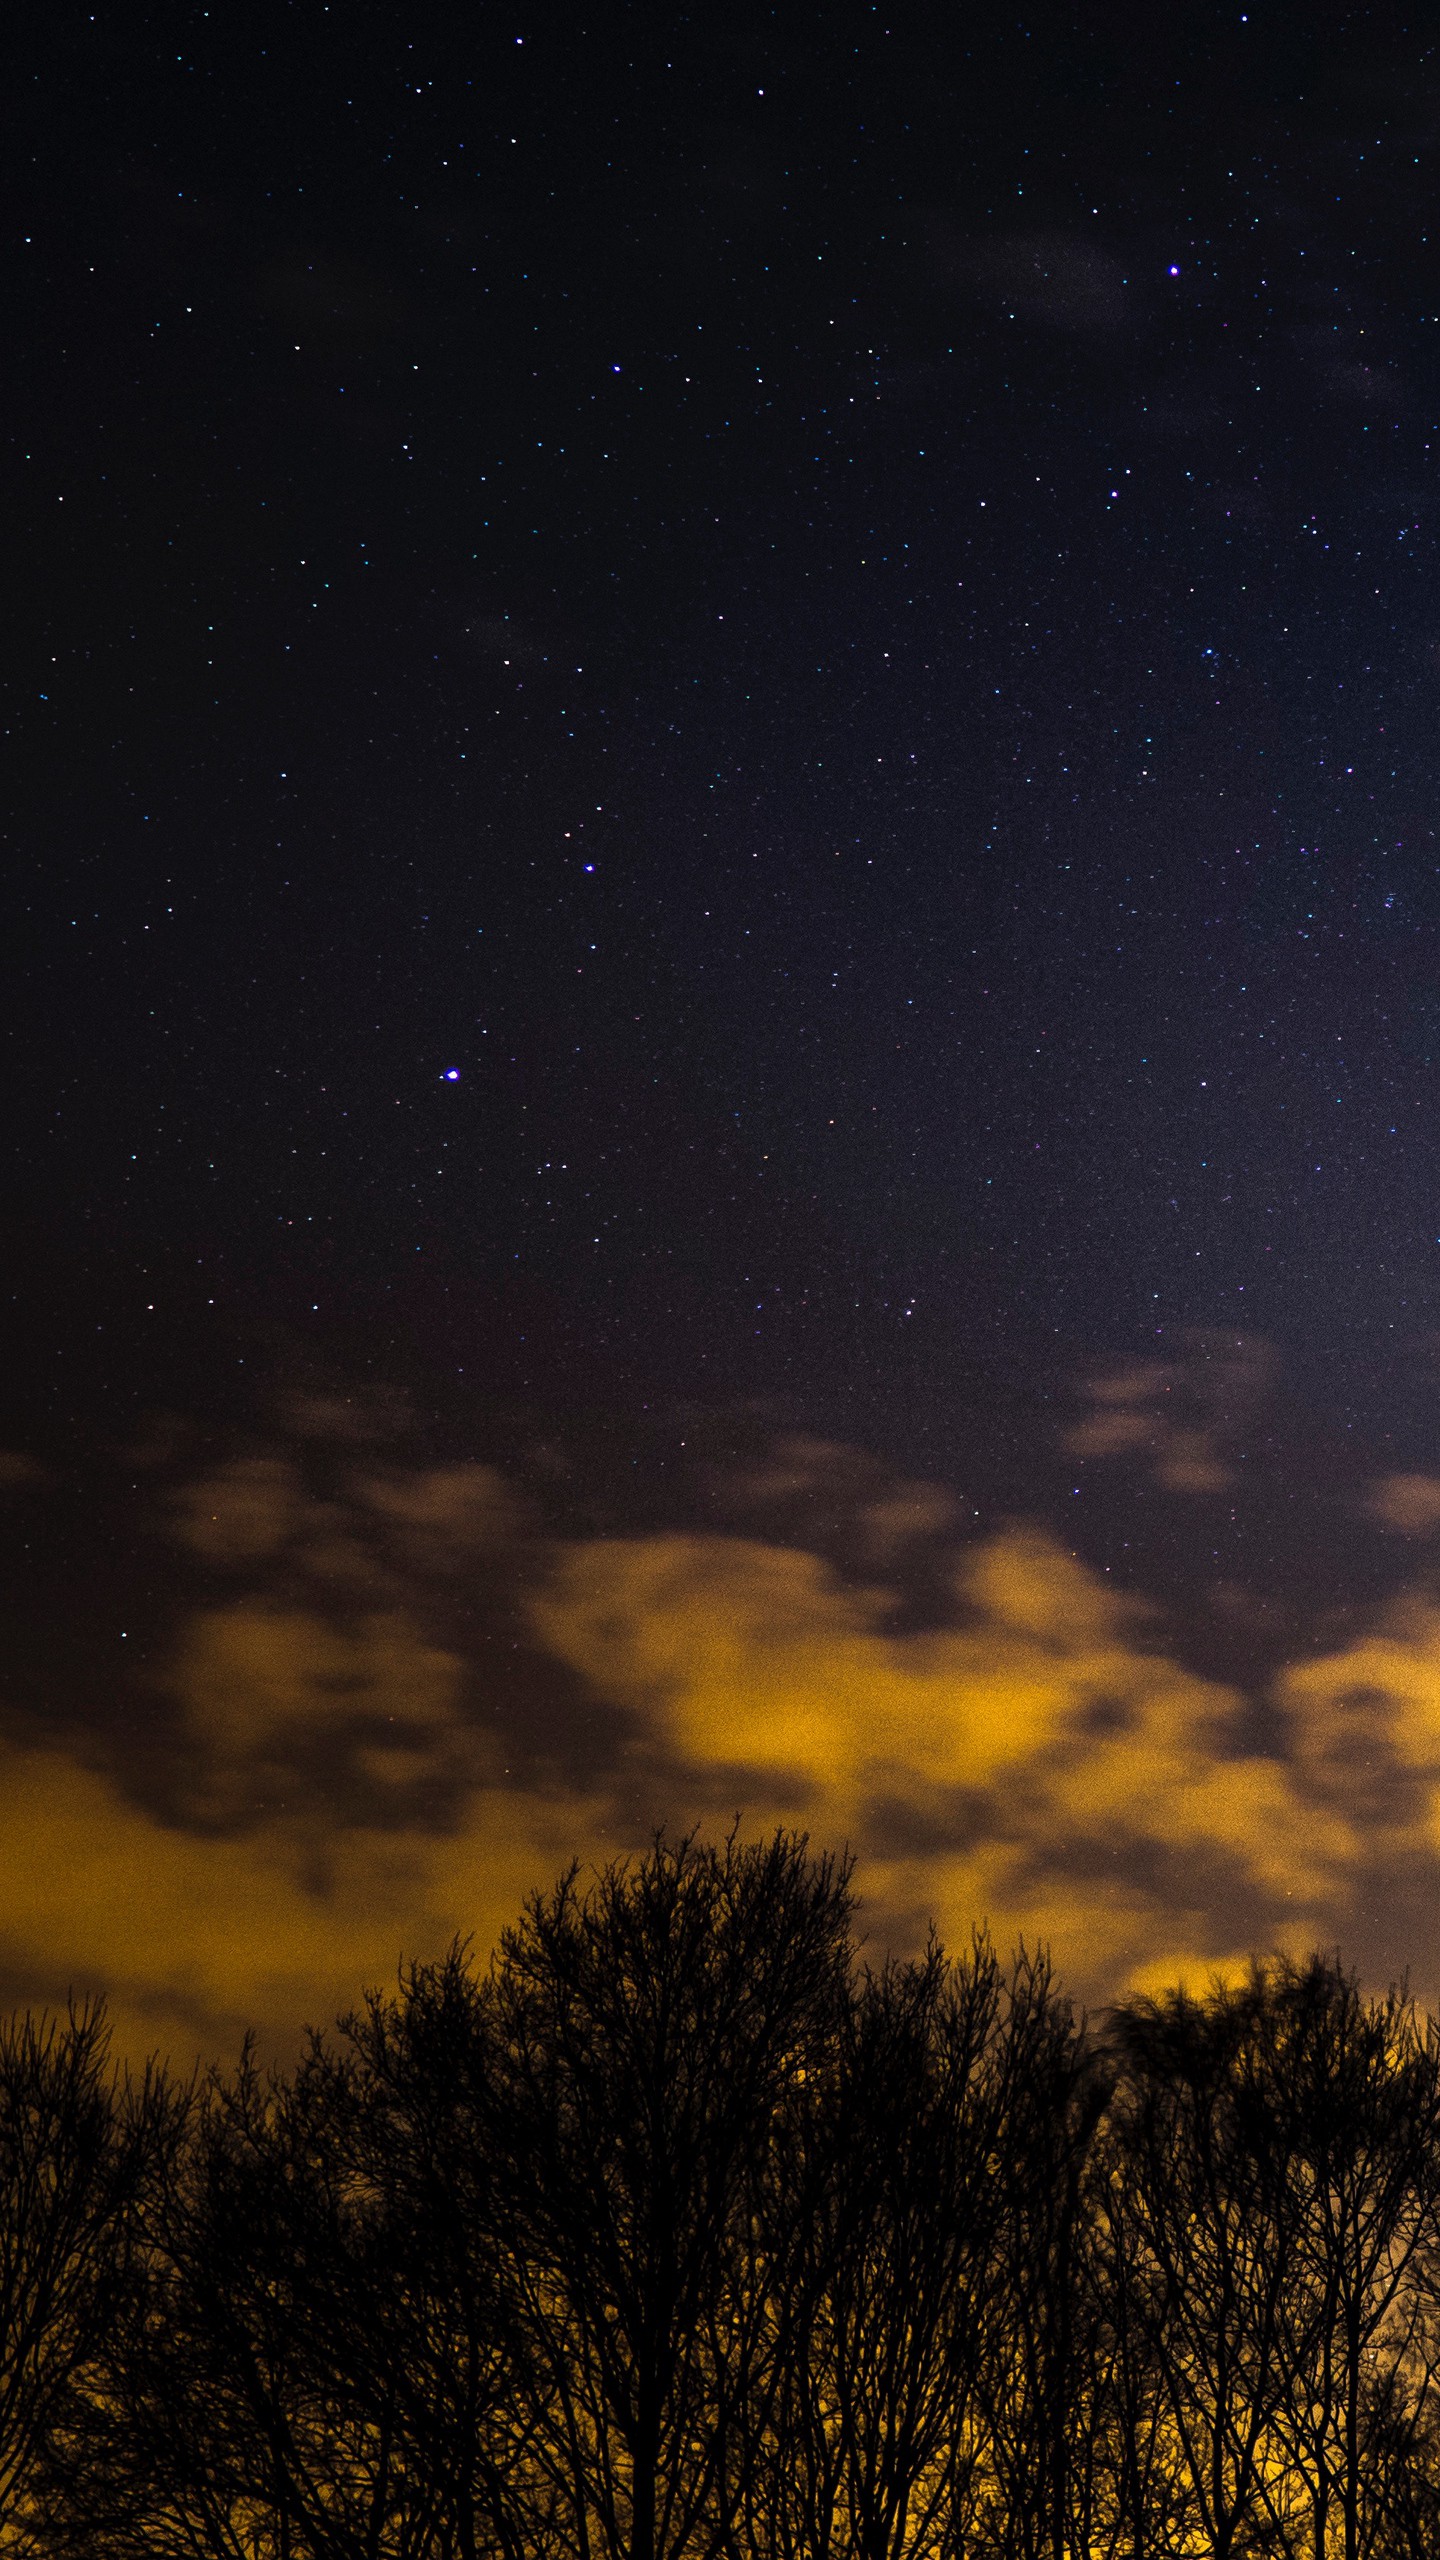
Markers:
(871, 2450)
(76, 2147)
(1037, 2371)
(674, 2233)
(649, 2033)
(1357, 2099)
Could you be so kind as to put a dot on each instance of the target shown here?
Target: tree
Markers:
(1209, 2246)
(465, 2389)
(893, 2189)
(75, 2146)
(317, 2366)
(1038, 2368)
(1141, 2502)
(671, 2235)
(1356, 2093)
(650, 2031)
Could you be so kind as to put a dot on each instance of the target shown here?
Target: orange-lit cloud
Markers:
(331, 1793)
(194, 1936)
(393, 1702)
(1042, 1763)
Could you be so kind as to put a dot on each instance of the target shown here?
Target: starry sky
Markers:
(722, 977)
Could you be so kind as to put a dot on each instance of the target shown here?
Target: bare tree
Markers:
(871, 2447)
(671, 2236)
(209, 2432)
(317, 2366)
(649, 2031)
(1355, 2094)
(1141, 2502)
(1212, 2248)
(456, 2356)
(1038, 2366)
(75, 2142)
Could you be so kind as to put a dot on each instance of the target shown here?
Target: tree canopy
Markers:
(674, 2231)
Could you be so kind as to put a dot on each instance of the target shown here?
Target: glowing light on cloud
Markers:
(342, 1774)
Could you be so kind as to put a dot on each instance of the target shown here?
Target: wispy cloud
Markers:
(1409, 1503)
(1183, 1415)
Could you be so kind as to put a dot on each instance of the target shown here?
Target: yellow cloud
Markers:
(464, 1508)
(1038, 1765)
(1176, 1414)
(1372, 1711)
(1181, 1972)
(757, 1658)
(193, 1938)
(346, 1773)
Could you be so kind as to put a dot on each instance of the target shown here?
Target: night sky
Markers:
(721, 977)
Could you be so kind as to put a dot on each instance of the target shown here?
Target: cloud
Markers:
(244, 1513)
(824, 1493)
(1179, 1415)
(1410, 1503)
(392, 1700)
(331, 1673)
(1044, 1765)
(1371, 1711)
(338, 1775)
(193, 1937)
(282, 1705)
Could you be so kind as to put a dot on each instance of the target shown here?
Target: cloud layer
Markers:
(395, 1701)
